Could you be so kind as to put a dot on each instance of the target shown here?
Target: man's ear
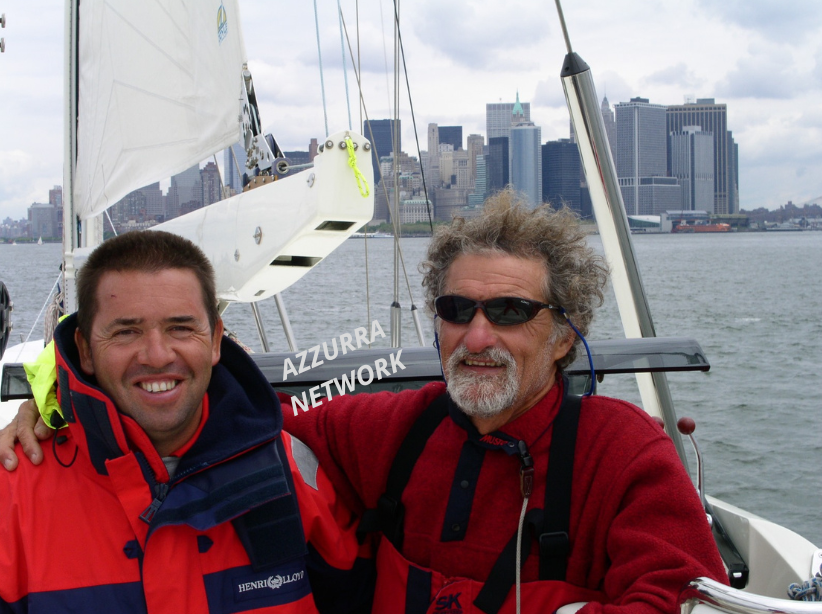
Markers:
(564, 345)
(84, 349)
(216, 339)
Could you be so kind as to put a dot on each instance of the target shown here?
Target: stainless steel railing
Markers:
(727, 599)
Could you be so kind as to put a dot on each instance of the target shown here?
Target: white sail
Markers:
(159, 91)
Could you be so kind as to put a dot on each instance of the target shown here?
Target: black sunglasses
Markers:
(502, 311)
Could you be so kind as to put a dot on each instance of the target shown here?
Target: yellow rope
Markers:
(352, 162)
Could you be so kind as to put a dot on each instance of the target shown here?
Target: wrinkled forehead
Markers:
(488, 274)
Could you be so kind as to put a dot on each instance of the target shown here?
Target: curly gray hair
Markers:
(575, 276)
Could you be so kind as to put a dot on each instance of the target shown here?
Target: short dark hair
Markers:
(147, 251)
(575, 275)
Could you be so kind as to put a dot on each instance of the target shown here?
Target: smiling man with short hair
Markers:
(173, 489)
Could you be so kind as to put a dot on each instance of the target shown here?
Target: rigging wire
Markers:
(360, 107)
(320, 55)
(345, 70)
(376, 153)
(110, 223)
(414, 122)
(395, 137)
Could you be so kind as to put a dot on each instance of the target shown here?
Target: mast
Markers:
(70, 241)
(612, 222)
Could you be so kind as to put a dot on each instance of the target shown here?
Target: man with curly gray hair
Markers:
(543, 258)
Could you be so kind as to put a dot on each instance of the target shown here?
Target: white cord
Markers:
(519, 550)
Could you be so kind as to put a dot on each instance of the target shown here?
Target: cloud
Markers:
(481, 34)
(549, 93)
(777, 20)
(764, 73)
(678, 75)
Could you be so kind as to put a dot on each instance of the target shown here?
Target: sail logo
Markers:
(222, 24)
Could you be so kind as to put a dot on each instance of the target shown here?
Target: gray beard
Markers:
(478, 395)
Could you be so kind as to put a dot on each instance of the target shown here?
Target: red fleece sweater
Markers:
(638, 531)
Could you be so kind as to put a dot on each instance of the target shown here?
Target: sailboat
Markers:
(40, 241)
(263, 240)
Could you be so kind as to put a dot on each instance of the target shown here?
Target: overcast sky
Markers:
(763, 58)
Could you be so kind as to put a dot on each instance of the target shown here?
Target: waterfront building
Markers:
(691, 161)
(498, 117)
(641, 158)
(415, 210)
(561, 175)
(713, 118)
(42, 218)
(381, 134)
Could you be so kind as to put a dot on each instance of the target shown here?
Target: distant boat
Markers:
(40, 241)
(684, 227)
(372, 235)
(784, 227)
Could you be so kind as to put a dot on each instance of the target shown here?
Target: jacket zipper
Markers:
(160, 492)
(159, 489)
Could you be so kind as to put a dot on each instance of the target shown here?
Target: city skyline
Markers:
(760, 61)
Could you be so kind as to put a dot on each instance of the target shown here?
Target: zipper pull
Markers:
(151, 510)
(526, 471)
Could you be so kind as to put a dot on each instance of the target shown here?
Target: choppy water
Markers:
(754, 301)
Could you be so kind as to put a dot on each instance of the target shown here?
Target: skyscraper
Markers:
(560, 175)
(642, 161)
(210, 179)
(185, 193)
(610, 126)
(432, 170)
(713, 118)
(452, 135)
(526, 162)
(496, 164)
(498, 117)
(234, 166)
(691, 161)
(474, 147)
(381, 134)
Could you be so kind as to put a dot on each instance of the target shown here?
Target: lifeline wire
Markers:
(48, 300)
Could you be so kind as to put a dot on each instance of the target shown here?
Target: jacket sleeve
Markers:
(649, 522)
(341, 571)
(356, 437)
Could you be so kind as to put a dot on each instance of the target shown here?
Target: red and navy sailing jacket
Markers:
(248, 522)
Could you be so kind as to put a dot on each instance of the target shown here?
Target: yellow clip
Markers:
(42, 376)
(352, 162)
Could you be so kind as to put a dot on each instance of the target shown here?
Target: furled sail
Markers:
(159, 91)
